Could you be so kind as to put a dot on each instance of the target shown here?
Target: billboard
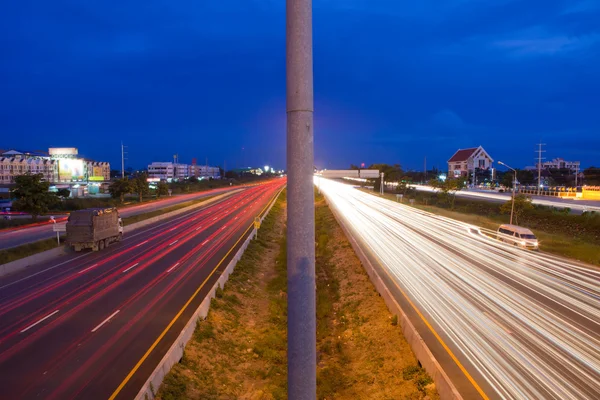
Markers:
(62, 151)
(97, 171)
(70, 170)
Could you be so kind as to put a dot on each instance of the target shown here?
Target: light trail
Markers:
(527, 322)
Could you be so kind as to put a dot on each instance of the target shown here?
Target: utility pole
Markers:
(302, 353)
(576, 173)
(539, 163)
(381, 185)
(122, 161)
(425, 169)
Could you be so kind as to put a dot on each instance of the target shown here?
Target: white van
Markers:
(517, 236)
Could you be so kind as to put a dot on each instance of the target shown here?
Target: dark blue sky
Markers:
(394, 81)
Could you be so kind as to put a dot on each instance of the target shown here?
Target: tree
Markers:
(592, 176)
(63, 193)
(451, 186)
(352, 166)
(140, 185)
(32, 194)
(120, 187)
(522, 206)
(162, 189)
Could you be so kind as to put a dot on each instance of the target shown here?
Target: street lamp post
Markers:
(512, 208)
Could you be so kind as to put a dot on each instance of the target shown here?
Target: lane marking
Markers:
(224, 226)
(198, 228)
(83, 270)
(215, 218)
(130, 267)
(143, 243)
(185, 306)
(172, 229)
(203, 243)
(39, 321)
(172, 268)
(105, 321)
(174, 242)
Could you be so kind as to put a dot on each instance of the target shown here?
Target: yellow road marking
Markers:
(164, 332)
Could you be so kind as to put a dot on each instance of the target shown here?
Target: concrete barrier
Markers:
(20, 264)
(444, 385)
(175, 352)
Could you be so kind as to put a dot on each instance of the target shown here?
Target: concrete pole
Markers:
(122, 161)
(302, 357)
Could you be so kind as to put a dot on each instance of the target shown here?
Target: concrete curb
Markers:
(444, 385)
(175, 353)
(17, 265)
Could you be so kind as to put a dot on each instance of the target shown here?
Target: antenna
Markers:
(539, 165)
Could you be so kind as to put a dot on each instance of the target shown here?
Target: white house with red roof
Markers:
(464, 162)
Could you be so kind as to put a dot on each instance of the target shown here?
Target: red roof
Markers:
(462, 155)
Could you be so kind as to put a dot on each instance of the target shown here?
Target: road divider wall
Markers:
(175, 352)
(444, 385)
(18, 265)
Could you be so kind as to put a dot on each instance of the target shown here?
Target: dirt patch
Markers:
(362, 353)
(239, 351)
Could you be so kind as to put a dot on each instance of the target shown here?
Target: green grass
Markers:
(578, 248)
(141, 217)
(26, 250)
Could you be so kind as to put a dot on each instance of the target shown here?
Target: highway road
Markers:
(510, 323)
(18, 236)
(577, 206)
(95, 325)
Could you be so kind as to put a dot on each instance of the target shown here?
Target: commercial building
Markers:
(465, 161)
(61, 167)
(560, 163)
(168, 171)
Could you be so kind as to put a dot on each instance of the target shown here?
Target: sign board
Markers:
(62, 151)
(96, 178)
(59, 227)
(256, 223)
(70, 169)
(153, 179)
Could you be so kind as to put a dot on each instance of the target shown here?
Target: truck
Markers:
(94, 228)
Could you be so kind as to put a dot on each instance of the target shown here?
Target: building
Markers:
(560, 163)
(61, 167)
(204, 171)
(465, 161)
(249, 170)
(168, 171)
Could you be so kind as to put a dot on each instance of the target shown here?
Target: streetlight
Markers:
(512, 209)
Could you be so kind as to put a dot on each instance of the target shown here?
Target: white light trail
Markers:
(528, 322)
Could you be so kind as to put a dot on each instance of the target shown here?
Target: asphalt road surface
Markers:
(76, 327)
(14, 237)
(516, 324)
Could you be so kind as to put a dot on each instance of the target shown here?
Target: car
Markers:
(518, 236)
